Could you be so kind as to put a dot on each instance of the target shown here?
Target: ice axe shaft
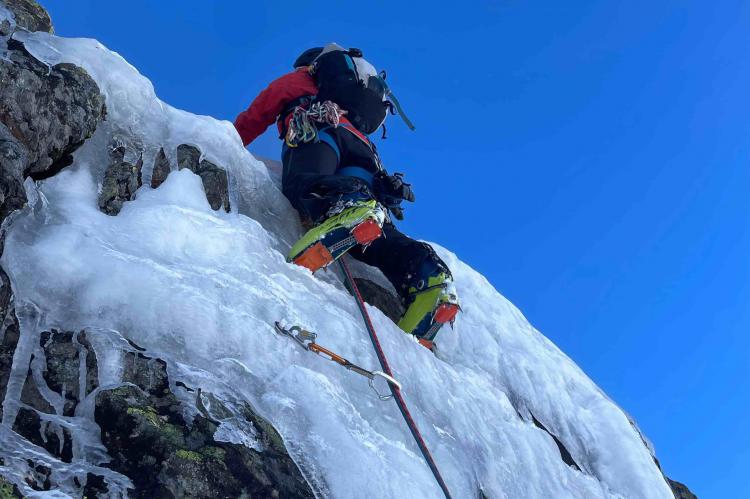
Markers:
(306, 339)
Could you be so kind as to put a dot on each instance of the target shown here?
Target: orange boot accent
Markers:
(429, 345)
(367, 231)
(315, 257)
(446, 312)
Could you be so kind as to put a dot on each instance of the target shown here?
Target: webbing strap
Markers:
(401, 111)
(357, 171)
(395, 390)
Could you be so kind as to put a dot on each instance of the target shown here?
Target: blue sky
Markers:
(590, 158)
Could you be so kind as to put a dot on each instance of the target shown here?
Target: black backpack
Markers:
(362, 96)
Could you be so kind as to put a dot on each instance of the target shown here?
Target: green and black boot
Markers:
(432, 303)
(347, 224)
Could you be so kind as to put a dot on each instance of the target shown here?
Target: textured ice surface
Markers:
(7, 24)
(6, 15)
(202, 288)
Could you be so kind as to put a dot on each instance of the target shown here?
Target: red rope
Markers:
(400, 402)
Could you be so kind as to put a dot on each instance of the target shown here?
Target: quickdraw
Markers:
(306, 339)
(302, 128)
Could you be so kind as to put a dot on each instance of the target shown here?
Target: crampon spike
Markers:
(315, 257)
(446, 312)
(429, 345)
(366, 232)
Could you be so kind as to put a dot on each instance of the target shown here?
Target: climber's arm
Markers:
(267, 106)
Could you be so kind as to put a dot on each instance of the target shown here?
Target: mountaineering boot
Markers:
(348, 223)
(432, 303)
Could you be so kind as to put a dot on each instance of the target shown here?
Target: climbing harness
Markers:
(306, 339)
(395, 389)
(302, 126)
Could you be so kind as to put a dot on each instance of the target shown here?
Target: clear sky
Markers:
(589, 157)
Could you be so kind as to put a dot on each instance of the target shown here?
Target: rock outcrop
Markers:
(9, 333)
(379, 297)
(142, 426)
(680, 490)
(161, 169)
(215, 181)
(121, 180)
(45, 114)
(29, 15)
(145, 432)
(144, 429)
(124, 177)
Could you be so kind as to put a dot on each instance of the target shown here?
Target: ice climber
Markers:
(325, 109)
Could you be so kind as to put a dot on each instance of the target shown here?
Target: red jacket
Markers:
(269, 104)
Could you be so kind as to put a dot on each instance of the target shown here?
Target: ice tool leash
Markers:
(306, 339)
(395, 388)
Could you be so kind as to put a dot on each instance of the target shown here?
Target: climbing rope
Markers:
(395, 389)
(302, 127)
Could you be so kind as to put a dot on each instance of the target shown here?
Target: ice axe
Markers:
(306, 339)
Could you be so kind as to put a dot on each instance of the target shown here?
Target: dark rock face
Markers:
(9, 333)
(121, 180)
(379, 297)
(13, 157)
(565, 455)
(188, 157)
(145, 432)
(31, 396)
(30, 15)
(29, 424)
(95, 486)
(144, 429)
(147, 373)
(38, 477)
(680, 490)
(65, 352)
(45, 115)
(5, 28)
(215, 181)
(161, 169)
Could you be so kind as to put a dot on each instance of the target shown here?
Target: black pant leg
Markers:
(304, 166)
(397, 255)
(309, 179)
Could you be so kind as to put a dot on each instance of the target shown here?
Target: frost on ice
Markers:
(202, 288)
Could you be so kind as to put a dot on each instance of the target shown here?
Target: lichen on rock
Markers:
(150, 441)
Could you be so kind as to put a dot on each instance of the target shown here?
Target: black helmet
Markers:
(307, 57)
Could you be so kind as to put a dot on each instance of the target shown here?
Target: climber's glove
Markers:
(391, 190)
(392, 186)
